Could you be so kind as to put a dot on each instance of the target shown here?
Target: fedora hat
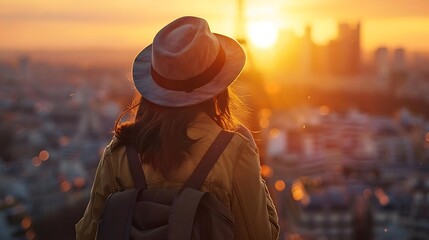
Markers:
(187, 64)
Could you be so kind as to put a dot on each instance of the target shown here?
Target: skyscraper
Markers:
(382, 69)
(345, 50)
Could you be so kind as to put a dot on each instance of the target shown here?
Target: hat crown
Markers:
(187, 64)
(184, 48)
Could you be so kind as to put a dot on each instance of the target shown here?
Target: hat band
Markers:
(188, 85)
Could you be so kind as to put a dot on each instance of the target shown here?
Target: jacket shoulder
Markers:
(115, 152)
(247, 136)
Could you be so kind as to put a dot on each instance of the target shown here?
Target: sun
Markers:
(262, 34)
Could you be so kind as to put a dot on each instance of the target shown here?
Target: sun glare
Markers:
(262, 34)
(323, 31)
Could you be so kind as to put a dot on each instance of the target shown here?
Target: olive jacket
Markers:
(235, 180)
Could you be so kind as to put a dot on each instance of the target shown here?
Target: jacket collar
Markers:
(203, 125)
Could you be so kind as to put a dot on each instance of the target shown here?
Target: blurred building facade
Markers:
(56, 120)
(359, 173)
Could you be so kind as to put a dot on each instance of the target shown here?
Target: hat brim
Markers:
(150, 90)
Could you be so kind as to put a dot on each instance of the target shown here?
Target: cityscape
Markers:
(347, 157)
(343, 136)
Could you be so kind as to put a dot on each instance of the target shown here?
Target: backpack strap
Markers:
(208, 161)
(136, 167)
(183, 214)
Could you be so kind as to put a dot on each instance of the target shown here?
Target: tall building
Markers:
(399, 75)
(24, 67)
(382, 69)
(399, 61)
(345, 50)
(306, 53)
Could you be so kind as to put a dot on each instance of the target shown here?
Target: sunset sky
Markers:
(74, 24)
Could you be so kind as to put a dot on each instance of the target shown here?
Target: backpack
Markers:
(160, 214)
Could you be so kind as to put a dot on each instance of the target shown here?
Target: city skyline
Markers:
(342, 131)
(51, 25)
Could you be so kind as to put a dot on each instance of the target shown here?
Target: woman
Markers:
(183, 103)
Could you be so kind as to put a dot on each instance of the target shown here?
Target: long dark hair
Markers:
(160, 133)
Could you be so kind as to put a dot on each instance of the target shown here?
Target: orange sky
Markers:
(67, 24)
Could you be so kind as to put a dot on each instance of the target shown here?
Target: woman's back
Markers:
(175, 121)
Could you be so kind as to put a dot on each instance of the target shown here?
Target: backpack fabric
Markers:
(165, 214)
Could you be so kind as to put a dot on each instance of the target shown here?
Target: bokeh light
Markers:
(280, 185)
(324, 110)
(44, 155)
(274, 132)
(79, 182)
(64, 141)
(26, 223)
(264, 122)
(265, 113)
(65, 186)
(36, 161)
(266, 171)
